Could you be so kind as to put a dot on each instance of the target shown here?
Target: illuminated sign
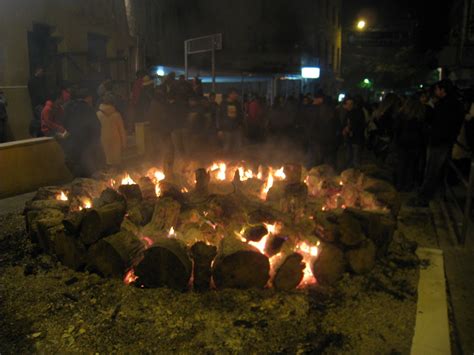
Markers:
(310, 72)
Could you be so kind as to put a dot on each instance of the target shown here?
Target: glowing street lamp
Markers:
(361, 25)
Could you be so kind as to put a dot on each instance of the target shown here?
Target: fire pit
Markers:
(228, 225)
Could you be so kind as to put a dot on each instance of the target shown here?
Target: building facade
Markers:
(77, 41)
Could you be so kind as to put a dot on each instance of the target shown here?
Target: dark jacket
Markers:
(446, 122)
(409, 133)
(37, 90)
(83, 149)
(230, 116)
(355, 121)
(324, 126)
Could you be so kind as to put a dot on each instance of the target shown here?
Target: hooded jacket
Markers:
(113, 135)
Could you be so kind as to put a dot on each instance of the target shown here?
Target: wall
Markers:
(29, 164)
(71, 21)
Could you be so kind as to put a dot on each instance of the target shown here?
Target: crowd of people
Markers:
(415, 135)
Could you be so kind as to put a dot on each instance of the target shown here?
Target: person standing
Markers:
(113, 134)
(409, 138)
(82, 147)
(37, 91)
(353, 132)
(255, 120)
(230, 121)
(323, 132)
(37, 87)
(51, 117)
(446, 122)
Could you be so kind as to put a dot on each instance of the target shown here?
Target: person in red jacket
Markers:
(51, 116)
(255, 119)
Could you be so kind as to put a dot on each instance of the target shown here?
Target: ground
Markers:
(47, 308)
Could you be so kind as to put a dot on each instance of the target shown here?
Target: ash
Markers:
(48, 308)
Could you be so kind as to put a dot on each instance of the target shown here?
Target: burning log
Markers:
(109, 196)
(70, 251)
(147, 188)
(165, 263)
(47, 204)
(362, 259)
(87, 187)
(202, 182)
(48, 230)
(350, 231)
(102, 221)
(289, 272)
(292, 173)
(72, 222)
(113, 255)
(239, 265)
(32, 218)
(330, 264)
(48, 193)
(141, 213)
(132, 193)
(255, 233)
(377, 226)
(165, 215)
(202, 254)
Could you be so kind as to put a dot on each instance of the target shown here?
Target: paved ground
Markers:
(432, 228)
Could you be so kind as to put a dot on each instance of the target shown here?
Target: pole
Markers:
(186, 60)
(213, 66)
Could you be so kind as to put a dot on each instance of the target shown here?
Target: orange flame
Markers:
(171, 233)
(245, 174)
(147, 241)
(127, 180)
(280, 174)
(309, 253)
(158, 176)
(62, 196)
(130, 277)
(267, 186)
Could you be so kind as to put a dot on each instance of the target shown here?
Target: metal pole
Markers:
(213, 68)
(186, 60)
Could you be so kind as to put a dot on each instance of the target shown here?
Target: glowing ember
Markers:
(147, 241)
(171, 233)
(221, 172)
(112, 183)
(184, 190)
(267, 186)
(62, 196)
(158, 176)
(280, 174)
(341, 183)
(130, 277)
(273, 228)
(309, 253)
(245, 174)
(127, 180)
(260, 245)
(85, 203)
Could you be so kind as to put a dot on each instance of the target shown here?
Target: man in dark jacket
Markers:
(37, 90)
(353, 132)
(446, 122)
(229, 122)
(82, 147)
(323, 131)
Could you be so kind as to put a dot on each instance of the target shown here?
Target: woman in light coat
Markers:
(113, 136)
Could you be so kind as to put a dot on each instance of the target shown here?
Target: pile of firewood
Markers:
(311, 227)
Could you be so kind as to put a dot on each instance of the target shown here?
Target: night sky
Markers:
(431, 17)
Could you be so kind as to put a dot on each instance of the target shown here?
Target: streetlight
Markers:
(361, 25)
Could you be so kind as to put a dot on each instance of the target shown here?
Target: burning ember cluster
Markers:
(226, 225)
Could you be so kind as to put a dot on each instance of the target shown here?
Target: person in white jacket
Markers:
(113, 134)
